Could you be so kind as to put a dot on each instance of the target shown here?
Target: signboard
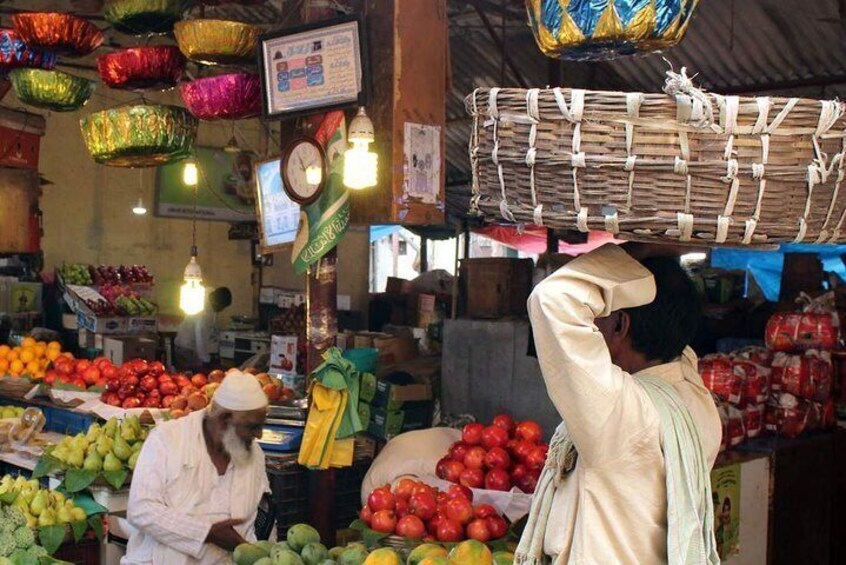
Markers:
(315, 67)
(279, 216)
(226, 191)
(725, 488)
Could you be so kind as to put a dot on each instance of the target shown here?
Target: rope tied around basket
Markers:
(694, 104)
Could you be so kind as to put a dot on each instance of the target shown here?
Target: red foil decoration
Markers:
(63, 34)
(226, 97)
(156, 68)
(14, 54)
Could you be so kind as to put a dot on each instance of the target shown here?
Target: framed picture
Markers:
(316, 67)
(226, 190)
(279, 216)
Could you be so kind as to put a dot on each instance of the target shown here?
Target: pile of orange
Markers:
(30, 359)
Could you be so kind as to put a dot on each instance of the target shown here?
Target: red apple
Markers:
(197, 401)
(498, 479)
(405, 488)
(384, 521)
(505, 422)
(411, 527)
(81, 366)
(459, 509)
(112, 399)
(109, 372)
(199, 380)
(167, 401)
(497, 526)
(132, 402)
(478, 530)
(179, 403)
(472, 434)
(140, 366)
(401, 509)
(517, 472)
(522, 450)
(527, 483)
(459, 491)
(494, 436)
(153, 402)
(472, 478)
(433, 523)
(125, 391)
(216, 376)
(497, 458)
(529, 431)
(449, 470)
(484, 511)
(168, 388)
(149, 383)
(475, 458)
(422, 505)
(366, 514)
(382, 499)
(458, 451)
(537, 457)
(112, 385)
(450, 531)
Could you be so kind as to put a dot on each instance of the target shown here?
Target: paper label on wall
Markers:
(725, 489)
(283, 354)
(422, 166)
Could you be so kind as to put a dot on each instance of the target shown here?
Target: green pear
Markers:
(76, 457)
(79, 442)
(63, 516)
(47, 518)
(121, 449)
(136, 447)
(57, 498)
(93, 462)
(128, 432)
(22, 504)
(133, 460)
(93, 433)
(111, 427)
(104, 445)
(39, 503)
(112, 463)
(60, 453)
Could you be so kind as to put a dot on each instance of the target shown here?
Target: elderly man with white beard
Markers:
(199, 481)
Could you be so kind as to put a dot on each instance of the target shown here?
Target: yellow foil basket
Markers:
(51, 90)
(217, 42)
(145, 135)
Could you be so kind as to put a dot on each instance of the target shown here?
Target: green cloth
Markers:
(338, 373)
(690, 508)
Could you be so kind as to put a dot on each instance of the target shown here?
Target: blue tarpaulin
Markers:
(381, 232)
(766, 266)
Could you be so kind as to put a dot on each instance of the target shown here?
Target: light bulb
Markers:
(190, 173)
(314, 175)
(139, 209)
(360, 166)
(192, 294)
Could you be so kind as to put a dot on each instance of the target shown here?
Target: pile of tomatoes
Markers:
(418, 511)
(500, 456)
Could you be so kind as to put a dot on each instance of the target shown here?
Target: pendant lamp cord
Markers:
(194, 222)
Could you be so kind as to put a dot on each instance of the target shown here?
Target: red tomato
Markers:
(498, 479)
(475, 458)
(458, 451)
(460, 491)
(423, 505)
(459, 509)
(401, 509)
(50, 377)
(450, 531)
(529, 431)
(384, 521)
(497, 526)
(472, 434)
(479, 530)
(472, 478)
(484, 511)
(494, 436)
(505, 422)
(366, 514)
(101, 383)
(382, 499)
(521, 452)
(63, 366)
(81, 366)
(405, 488)
(411, 527)
(497, 458)
(537, 458)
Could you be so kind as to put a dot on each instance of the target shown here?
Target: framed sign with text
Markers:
(314, 68)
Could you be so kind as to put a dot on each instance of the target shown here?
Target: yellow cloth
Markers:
(324, 418)
(613, 507)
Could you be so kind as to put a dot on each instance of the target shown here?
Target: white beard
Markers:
(235, 448)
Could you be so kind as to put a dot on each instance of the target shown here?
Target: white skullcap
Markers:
(240, 392)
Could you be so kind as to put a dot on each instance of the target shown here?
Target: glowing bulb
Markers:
(190, 173)
(360, 164)
(139, 209)
(314, 175)
(192, 294)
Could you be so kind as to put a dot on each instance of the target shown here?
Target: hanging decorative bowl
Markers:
(143, 17)
(157, 68)
(14, 53)
(225, 97)
(605, 29)
(217, 42)
(51, 90)
(63, 34)
(139, 136)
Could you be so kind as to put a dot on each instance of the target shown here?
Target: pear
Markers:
(93, 433)
(63, 516)
(22, 504)
(39, 503)
(121, 449)
(133, 460)
(112, 463)
(104, 445)
(76, 457)
(128, 432)
(34, 484)
(47, 518)
(111, 427)
(57, 498)
(77, 514)
(93, 462)
(61, 453)
(137, 446)
(31, 521)
(79, 442)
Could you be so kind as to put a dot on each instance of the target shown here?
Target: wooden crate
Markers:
(495, 287)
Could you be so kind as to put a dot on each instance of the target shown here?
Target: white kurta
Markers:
(613, 507)
(177, 494)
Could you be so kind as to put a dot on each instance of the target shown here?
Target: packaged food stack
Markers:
(802, 371)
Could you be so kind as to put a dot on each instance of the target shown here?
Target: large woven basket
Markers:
(686, 166)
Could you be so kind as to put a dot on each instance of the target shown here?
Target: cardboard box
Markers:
(90, 340)
(395, 396)
(395, 349)
(110, 325)
(397, 286)
(283, 354)
(364, 414)
(387, 424)
(367, 387)
(120, 349)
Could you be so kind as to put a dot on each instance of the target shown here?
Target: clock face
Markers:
(304, 171)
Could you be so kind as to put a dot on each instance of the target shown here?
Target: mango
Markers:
(314, 553)
(287, 557)
(471, 552)
(503, 558)
(248, 554)
(383, 556)
(300, 535)
(426, 550)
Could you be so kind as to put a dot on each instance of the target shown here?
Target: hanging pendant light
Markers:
(190, 172)
(139, 209)
(360, 163)
(192, 293)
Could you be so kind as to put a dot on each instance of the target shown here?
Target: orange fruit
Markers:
(54, 345)
(33, 367)
(16, 367)
(53, 354)
(28, 342)
(40, 349)
(4, 367)
(4, 350)
(27, 354)
(13, 355)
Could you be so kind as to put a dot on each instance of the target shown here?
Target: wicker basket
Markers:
(15, 387)
(685, 166)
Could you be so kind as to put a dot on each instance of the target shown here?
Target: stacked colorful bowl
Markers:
(62, 34)
(217, 42)
(226, 97)
(155, 68)
(51, 90)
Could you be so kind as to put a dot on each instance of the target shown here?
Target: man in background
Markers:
(198, 338)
